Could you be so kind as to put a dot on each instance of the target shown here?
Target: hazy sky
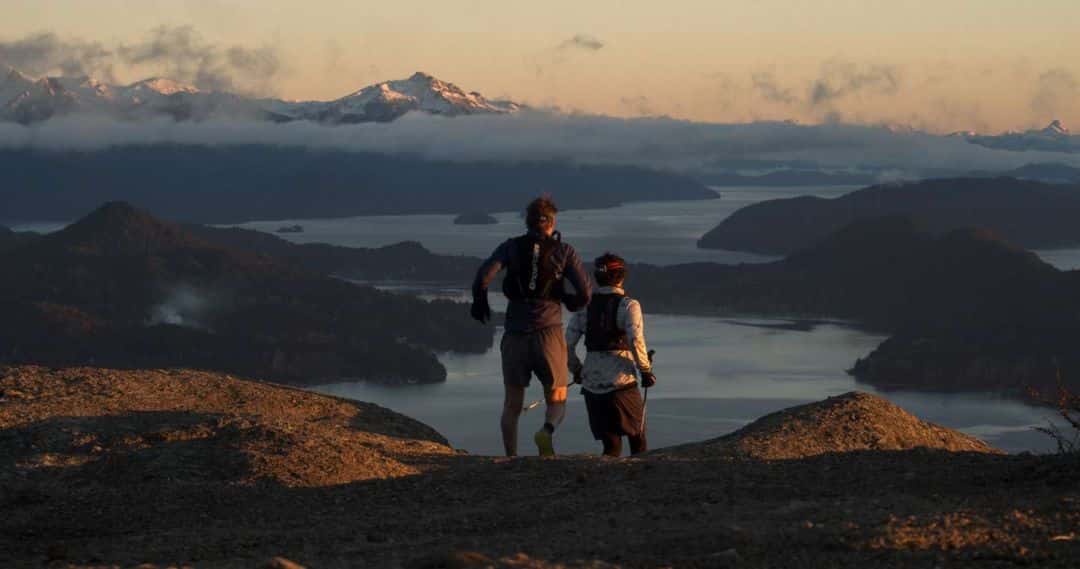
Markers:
(941, 65)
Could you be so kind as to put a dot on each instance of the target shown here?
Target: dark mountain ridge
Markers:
(405, 261)
(993, 314)
(123, 289)
(233, 184)
(10, 238)
(887, 273)
(1028, 213)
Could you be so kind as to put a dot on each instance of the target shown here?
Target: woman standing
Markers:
(614, 333)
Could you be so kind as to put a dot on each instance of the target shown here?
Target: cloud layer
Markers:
(177, 52)
(535, 135)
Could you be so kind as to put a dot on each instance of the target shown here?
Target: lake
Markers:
(661, 233)
(714, 376)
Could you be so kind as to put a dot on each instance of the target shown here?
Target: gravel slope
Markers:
(102, 468)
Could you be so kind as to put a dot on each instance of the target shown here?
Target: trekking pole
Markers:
(532, 405)
(645, 400)
(535, 404)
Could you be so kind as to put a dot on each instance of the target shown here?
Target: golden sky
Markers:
(939, 65)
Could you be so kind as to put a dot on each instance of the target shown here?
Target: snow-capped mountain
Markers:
(1055, 128)
(1055, 137)
(26, 100)
(153, 90)
(391, 99)
(12, 83)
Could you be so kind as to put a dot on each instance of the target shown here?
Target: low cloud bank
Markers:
(538, 135)
(179, 52)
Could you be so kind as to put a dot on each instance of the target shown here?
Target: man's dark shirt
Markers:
(530, 315)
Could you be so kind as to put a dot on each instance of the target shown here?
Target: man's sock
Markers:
(554, 415)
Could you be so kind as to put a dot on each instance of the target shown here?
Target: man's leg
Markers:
(515, 367)
(638, 443)
(554, 374)
(513, 399)
(555, 411)
(550, 364)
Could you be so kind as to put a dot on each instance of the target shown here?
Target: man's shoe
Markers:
(543, 443)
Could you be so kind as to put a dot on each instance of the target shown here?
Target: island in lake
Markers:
(475, 218)
(290, 229)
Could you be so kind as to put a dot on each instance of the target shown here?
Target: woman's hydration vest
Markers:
(602, 332)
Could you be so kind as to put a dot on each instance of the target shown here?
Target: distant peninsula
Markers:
(1027, 213)
(965, 309)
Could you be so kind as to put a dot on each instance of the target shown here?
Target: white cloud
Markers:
(538, 135)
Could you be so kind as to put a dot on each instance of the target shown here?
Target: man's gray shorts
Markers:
(543, 353)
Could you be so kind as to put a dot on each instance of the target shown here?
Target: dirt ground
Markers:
(102, 468)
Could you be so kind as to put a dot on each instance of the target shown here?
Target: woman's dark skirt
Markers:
(617, 412)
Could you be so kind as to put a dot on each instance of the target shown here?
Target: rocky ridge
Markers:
(850, 422)
(160, 468)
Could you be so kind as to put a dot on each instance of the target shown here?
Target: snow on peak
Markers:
(26, 99)
(12, 84)
(9, 73)
(162, 86)
(1056, 128)
(389, 100)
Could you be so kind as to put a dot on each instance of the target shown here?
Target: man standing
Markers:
(536, 264)
(614, 334)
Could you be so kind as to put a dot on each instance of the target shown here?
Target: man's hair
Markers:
(609, 269)
(541, 213)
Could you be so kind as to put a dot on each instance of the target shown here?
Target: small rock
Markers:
(282, 563)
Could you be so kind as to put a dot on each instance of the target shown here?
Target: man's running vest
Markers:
(534, 273)
(602, 332)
